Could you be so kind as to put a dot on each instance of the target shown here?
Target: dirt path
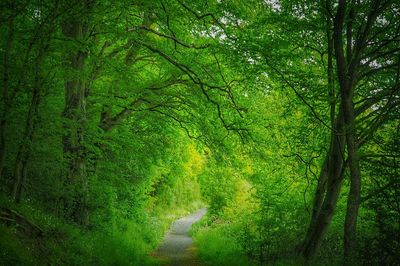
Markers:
(177, 248)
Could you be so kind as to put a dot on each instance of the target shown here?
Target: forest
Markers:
(280, 117)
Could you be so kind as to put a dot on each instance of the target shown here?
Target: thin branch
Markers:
(286, 81)
(173, 38)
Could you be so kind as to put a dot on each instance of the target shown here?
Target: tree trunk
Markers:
(347, 66)
(329, 180)
(317, 202)
(323, 176)
(24, 150)
(346, 76)
(5, 95)
(75, 119)
(353, 200)
(335, 171)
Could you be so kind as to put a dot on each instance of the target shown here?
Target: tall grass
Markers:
(215, 247)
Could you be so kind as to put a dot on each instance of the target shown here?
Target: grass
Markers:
(217, 248)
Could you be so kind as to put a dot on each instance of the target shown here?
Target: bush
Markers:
(218, 248)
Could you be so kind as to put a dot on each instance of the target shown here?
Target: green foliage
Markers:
(13, 252)
(117, 117)
(217, 246)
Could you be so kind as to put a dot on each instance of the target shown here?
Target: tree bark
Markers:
(347, 56)
(317, 202)
(24, 149)
(347, 78)
(75, 120)
(335, 172)
(310, 245)
(354, 197)
(5, 94)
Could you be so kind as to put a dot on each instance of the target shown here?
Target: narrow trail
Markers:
(177, 248)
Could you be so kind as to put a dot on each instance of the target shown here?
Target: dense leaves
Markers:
(282, 117)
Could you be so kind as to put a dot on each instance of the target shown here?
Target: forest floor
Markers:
(177, 248)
